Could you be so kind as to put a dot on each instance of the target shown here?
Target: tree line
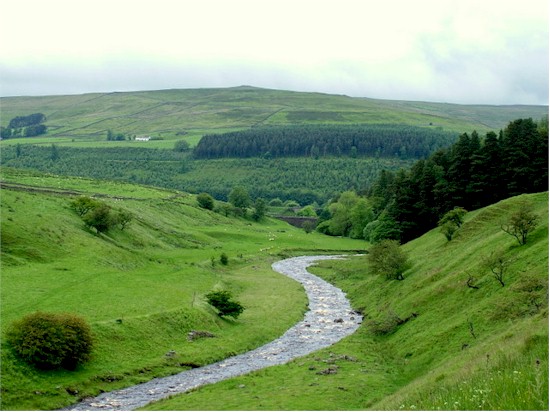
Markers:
(305, 180)
(472, 173)
(373, 140)
(25, 126)
(404, 197)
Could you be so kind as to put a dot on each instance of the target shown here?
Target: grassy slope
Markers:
(165, 113)
(151, 277)
(434, 361)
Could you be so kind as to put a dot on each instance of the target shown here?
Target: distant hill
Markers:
(97, 135)
(173, 113)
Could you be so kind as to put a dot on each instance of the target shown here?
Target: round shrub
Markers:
(205, 201)
(221, 300)
(52, 340)
(100, 218)
(224, 259)
(276, 202)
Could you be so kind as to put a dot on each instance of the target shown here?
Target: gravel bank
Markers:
(329, 319)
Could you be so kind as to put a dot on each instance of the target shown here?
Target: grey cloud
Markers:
(515, 74)
(458, 77)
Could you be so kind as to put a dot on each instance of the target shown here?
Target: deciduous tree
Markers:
(521, 223)
(99, 218)
(260, 208)
(451, 222)
(388, 259)
(205, 201)
(498, 264)
(181, 146)
(239, 198)
(83, 204)
(222, 301)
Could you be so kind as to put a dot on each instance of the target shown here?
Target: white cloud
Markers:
(452, 50)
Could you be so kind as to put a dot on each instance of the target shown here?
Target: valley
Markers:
(113, 214)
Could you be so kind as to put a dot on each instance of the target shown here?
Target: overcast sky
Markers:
(457, 51)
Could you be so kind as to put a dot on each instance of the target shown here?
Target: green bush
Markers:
(324, 227)
(260, 209)
(224, 259)
(221, 300)
(308, 226)
(276, 202)
(455, 216)
(308, 211)
(84, 204)
(205, 201)
(387, 258)
(100, 218)
(385, 325)
(448, 229)
(521, 223)
(99, 215)
(51, 340)
(181, 146)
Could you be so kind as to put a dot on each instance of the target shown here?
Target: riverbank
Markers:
(329, 319)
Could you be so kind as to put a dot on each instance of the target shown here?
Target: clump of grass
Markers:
(512, 383)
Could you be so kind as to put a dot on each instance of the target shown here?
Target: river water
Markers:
(329, 319)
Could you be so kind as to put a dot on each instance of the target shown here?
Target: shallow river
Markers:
(329, 319)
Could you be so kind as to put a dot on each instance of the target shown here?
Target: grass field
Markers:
(142, 289)
(83, 120)
(466, 348)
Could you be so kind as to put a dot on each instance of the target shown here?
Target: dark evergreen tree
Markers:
(381, 191)
(388, 140)
(426, 176)
(471, 174)
(403, 208)
(54, 152)
(35, 130)
(5, 133)
(522, 147)
(459, 172)
(486, 184)
(24, 121)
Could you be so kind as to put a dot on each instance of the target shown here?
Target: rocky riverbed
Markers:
(329, 319)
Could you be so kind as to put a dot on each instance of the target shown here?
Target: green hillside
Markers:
(78, 125)
(483, 347)
(142, 288)
(305, 180)
(190, 113)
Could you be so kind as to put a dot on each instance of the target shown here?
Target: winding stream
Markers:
(329, 319)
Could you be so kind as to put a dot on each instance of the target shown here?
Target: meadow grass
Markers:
(510, 382)
(85, 186)
(142, 288)
(169, 113)
(165, 142)
(464, 348)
